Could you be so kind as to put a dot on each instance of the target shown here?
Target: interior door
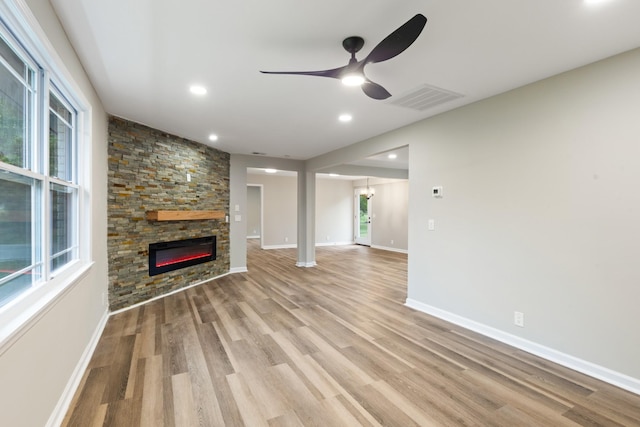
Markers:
(362, 218)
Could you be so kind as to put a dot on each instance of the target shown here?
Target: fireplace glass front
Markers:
(169, 256)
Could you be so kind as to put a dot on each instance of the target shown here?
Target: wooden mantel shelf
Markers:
(183, 215)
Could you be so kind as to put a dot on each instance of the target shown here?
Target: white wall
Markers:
(334, 211)
(38, 364)
(539, 215)
(390, 217)
(254, 211)
(280, 209)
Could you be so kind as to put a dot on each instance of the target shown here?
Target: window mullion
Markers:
(43, 149)
(43, 111)
(38, 228)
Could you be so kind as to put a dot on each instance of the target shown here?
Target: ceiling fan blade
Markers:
(333, 73)
(396, 42)
(374, 90)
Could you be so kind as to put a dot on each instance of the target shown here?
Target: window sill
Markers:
(20, 315)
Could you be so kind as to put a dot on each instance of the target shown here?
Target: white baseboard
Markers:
(59, 412)
(596, 371)
(288, 246)
(334, 243)
(233, 270)
(306, 264)
(253, 237)
(390, 249)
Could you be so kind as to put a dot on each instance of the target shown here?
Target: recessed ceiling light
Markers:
(198, 90)
(345, 118)
(213, 137)
(392, 156)
(271, 170)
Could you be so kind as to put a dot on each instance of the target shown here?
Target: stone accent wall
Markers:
(148, 171)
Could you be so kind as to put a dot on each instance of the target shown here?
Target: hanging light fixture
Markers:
(369, 192)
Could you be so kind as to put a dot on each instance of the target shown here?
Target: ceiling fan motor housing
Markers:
(353, 44)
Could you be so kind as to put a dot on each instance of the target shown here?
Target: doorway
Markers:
(362, 218)
(255, 223)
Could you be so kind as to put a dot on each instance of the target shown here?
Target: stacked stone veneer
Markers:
(148, 171)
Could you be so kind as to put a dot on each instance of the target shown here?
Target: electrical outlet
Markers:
(392, 241)
(518, 318)
(286, 239)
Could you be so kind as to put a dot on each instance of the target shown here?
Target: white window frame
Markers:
(18, 314)
(74, 183)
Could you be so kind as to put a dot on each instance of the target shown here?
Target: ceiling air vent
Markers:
(424, 97)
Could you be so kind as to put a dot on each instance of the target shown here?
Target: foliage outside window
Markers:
(39, 190)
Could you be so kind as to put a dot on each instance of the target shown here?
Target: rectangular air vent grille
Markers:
(424, 97)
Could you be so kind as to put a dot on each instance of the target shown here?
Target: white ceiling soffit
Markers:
(285, 173)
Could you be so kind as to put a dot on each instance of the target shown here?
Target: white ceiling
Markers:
(142, 55)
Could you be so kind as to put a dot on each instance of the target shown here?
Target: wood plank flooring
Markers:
(331, 345)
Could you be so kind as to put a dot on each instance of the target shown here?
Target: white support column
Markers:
(306, 219)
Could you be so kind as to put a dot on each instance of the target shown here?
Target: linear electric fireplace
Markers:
(169, 256)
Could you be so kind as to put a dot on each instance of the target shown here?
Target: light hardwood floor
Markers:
(331, 345)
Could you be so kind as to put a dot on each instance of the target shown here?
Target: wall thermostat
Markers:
(436, 192)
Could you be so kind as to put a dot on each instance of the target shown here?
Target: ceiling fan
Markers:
(352, 74)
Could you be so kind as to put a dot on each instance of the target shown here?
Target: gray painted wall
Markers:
(280, 209)
(334, 211)
(540, 212)
(390, 215)
(254, 210)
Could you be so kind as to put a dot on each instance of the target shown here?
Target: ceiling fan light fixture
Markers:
(352, 74)
(353, 79)
(198, 90)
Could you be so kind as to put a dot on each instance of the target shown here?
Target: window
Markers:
(39, 178)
